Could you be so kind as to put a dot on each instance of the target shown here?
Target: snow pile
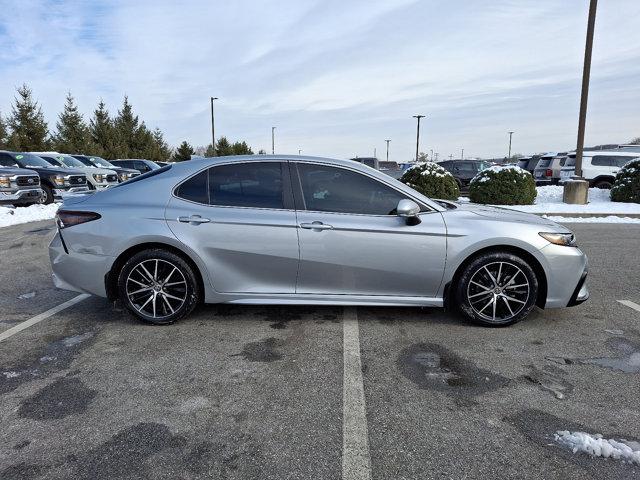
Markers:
(597, 446)
(431, 168)
(15, 216)
(607, 219)
(549, 200)
(484, 176)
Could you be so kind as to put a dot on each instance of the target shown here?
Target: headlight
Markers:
(5, 182)
(58, 180)
(124, 177)
(565, 239)
(98, 177)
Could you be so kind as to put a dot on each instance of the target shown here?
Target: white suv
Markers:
(97, 178)
(599, 167)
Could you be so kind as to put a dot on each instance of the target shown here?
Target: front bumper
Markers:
(581, 292)
(565, 268)
(104, 186)
(26, 195)
(60, 193)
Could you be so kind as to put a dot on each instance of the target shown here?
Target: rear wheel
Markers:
(497, 289)
(604, 184)
(158, 286)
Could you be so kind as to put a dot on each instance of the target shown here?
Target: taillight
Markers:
(548, 173)
(66, 218)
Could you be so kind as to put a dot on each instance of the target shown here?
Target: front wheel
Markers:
(158, 286)
(47, 195)
(497, 289)
(603, 184)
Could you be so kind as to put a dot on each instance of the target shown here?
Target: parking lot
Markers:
(314, 392)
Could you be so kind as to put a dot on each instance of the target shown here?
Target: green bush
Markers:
(431, 180)
(508, 185)
(626, 187)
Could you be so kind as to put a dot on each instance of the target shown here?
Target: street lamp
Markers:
(387, 149)
(418, 134)
(577, 192)
(510, 135)
(273, 141)
(213, 128)
(299, 152)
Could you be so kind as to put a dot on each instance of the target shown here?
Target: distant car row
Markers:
(599, 167)
(42, 177)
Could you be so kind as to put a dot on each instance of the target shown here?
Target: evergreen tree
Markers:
(223, 147)
(183, 152)
(635, 141)
(26, 123)
(210, 151)
(241, 148)
(160, 150)
(72, 134)
(3, 132)
(126, 126)
(102, 133)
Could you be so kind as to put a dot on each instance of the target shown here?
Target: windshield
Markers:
(26, 160)
(100, 162)
(69, 161)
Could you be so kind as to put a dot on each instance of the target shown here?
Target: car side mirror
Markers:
(408, 209)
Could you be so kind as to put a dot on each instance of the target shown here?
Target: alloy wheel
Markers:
(498, 291)
(156, 288)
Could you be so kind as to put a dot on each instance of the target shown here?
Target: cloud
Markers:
(336, 78)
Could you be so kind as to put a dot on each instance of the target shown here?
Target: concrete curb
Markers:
(589, 215)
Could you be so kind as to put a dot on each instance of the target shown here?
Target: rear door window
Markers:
(252, 184)
(196, 189)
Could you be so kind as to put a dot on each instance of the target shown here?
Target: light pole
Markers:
(299, 152)
(213, 128)
(418, 134)
(387, 148)
(431, 154)
(273, 140)
(462, 155)
(578, 192)
(510, 135)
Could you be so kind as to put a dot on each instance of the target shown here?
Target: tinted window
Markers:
(330, 189)
(466, 168)
(247, 185)
(601, 161)
(622, 161)
(143, 167)
(543, 163)
(196, 188)
(7, 161)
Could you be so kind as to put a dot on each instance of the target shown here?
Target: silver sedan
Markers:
(305, 230)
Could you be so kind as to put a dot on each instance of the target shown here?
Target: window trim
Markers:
(287, 194)
(299, 195)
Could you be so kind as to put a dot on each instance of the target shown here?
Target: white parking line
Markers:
(356, 460)
(38, 318)
(630, 304)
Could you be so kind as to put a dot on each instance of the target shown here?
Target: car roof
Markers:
(612, 153)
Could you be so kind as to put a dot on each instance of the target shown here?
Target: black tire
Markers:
(47, 195)
(604, 184)
(514, 297)
(157, 302)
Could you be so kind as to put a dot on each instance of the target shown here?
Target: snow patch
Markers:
(33, 213)
(607, 219)
(597, 446)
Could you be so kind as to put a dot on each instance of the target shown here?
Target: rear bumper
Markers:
(78, 272)
(26, 195)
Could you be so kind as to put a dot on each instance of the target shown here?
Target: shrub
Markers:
(431, 180)
(508, 185)
(626, 187)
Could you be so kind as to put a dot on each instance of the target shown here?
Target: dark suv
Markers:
(464, 170)
(54, 181)
(143, 166)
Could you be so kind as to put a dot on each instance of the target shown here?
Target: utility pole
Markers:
(299, 152)
(387, 149)
(431, 154)
(450, 157)
(418, 134)
(213, 128)
(462, 155)
(436, 159)
(374, 153)
(510, 135)
(273, 140)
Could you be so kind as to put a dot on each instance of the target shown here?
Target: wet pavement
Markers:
(257, 392)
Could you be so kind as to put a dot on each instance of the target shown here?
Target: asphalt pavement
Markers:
(254, 392)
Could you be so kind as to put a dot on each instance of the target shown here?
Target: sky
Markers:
(336, 78)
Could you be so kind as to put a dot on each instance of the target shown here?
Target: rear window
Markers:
(570, 162)
(543, 163)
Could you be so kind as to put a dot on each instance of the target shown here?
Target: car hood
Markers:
(16, 171)
(55, 170)
(507, 215)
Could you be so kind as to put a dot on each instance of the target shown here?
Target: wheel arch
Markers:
(602, 178)
(520, 252)
(111, 277)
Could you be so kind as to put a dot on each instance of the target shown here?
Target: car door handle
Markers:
(316, 226)
(194, 219)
